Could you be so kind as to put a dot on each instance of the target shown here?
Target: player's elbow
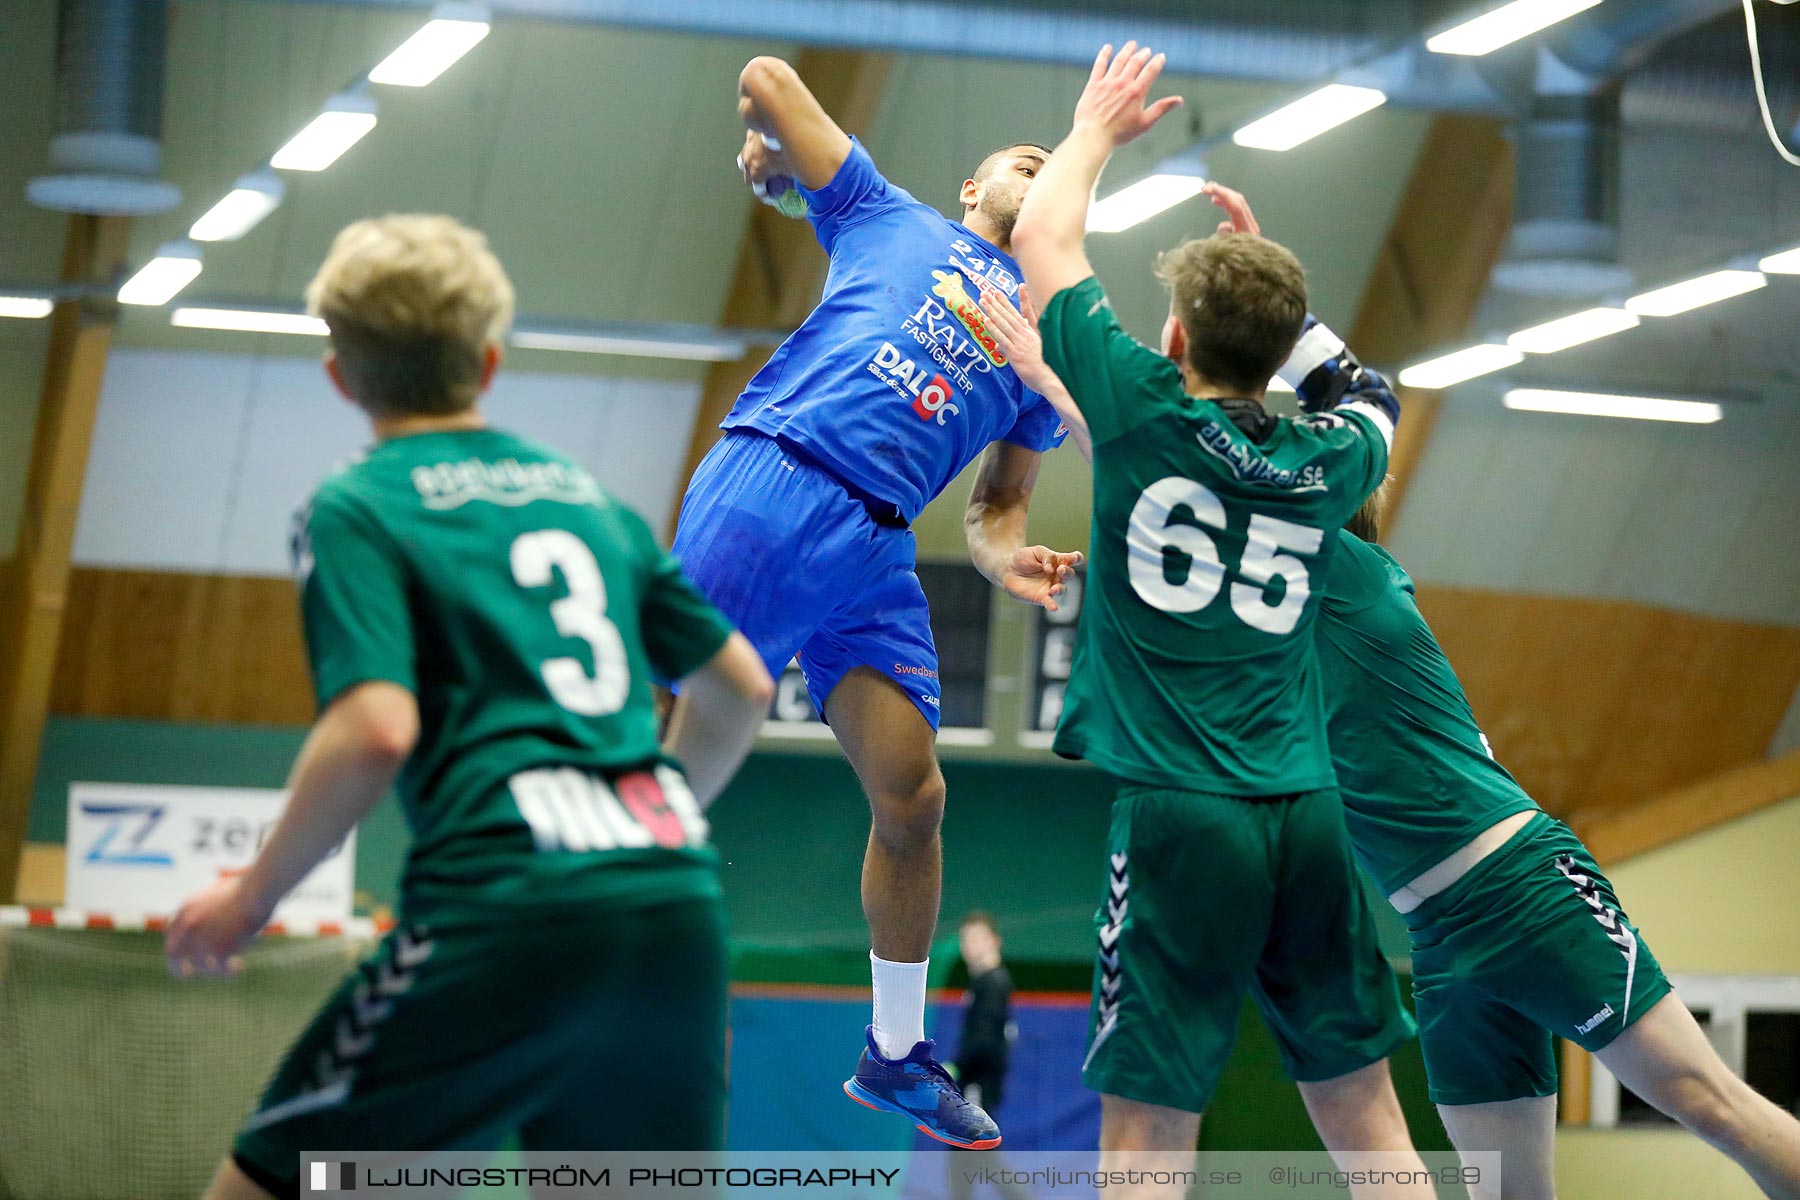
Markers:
(382, 721)
(994, 502)
(976, 518)
(389, 739)
(1029, 237)
(739, 670)
(759, 691)
(766, 77)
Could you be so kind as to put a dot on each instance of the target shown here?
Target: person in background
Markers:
(982, 1053)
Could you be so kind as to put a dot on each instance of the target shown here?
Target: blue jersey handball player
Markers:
(796, 524)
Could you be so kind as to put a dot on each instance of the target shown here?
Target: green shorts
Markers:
(1530, 943)
(1208, 897)
(578, 1029)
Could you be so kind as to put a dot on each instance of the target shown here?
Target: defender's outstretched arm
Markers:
(348, 763)
(1112, 111)
(722, 706)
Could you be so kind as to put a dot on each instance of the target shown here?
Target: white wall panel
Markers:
(298, 431)
(641, 450)
(163, 461)
(199, 460)
(1697, 518)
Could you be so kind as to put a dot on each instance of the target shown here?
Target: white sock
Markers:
(899, 1005)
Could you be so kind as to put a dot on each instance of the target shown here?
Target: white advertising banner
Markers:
(144, 848)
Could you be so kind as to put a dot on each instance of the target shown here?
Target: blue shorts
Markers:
(801, 567)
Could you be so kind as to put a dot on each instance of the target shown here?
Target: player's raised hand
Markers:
(1015, 329)
(212, 928)
(1038, 574)
(1117, 93)
(1239, 218)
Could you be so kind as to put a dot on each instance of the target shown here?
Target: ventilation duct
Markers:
(106, 154)
(1565, 236)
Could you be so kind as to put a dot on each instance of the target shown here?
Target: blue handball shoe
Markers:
(919, 1089)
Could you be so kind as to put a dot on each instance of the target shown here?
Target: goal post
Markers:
(117, 1079)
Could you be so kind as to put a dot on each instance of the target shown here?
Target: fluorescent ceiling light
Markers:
(1573, 330)
(247, 320)
(693, 349)
(1454, 368)
(1141, 201)
(1309, 116)
(1694, 293)
(174, 267)
(343, 123)
(28, 307)
(454, 30)
(1505, 25)
(1785, 263)
(250, 199)
(1599, 404)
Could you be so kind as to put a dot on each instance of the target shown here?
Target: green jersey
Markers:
(1193, 664)
(529, 613)
(1415, 772)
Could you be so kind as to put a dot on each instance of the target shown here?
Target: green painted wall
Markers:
(1022, 840)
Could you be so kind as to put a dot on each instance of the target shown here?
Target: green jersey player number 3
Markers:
(536, 557)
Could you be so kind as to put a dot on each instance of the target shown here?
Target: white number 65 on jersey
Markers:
(1149, 533)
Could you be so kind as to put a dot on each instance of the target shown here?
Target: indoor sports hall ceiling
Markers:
(599, 160)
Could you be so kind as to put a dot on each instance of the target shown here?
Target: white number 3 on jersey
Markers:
(580, 614)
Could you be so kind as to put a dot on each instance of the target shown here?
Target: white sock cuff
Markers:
(899, 1018)
(877, 961)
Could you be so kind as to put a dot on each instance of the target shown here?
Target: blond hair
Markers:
(1365, 522)
(1241, 300)
(412, 302)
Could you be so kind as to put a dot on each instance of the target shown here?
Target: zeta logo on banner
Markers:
(143, 849)
(129, 825)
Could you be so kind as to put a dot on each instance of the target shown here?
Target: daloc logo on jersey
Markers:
(931, 398)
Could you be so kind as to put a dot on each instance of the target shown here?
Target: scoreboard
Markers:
(1052, 652)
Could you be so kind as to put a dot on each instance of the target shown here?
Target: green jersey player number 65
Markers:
(1151, 535)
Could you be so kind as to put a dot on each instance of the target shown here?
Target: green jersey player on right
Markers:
(1193, 682)
(1516, 934)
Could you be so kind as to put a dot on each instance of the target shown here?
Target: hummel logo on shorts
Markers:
(1588, 1026)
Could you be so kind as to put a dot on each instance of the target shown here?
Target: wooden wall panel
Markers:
(1651, 824)
(1434, 267)
(1595, 705)
(166, 646)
